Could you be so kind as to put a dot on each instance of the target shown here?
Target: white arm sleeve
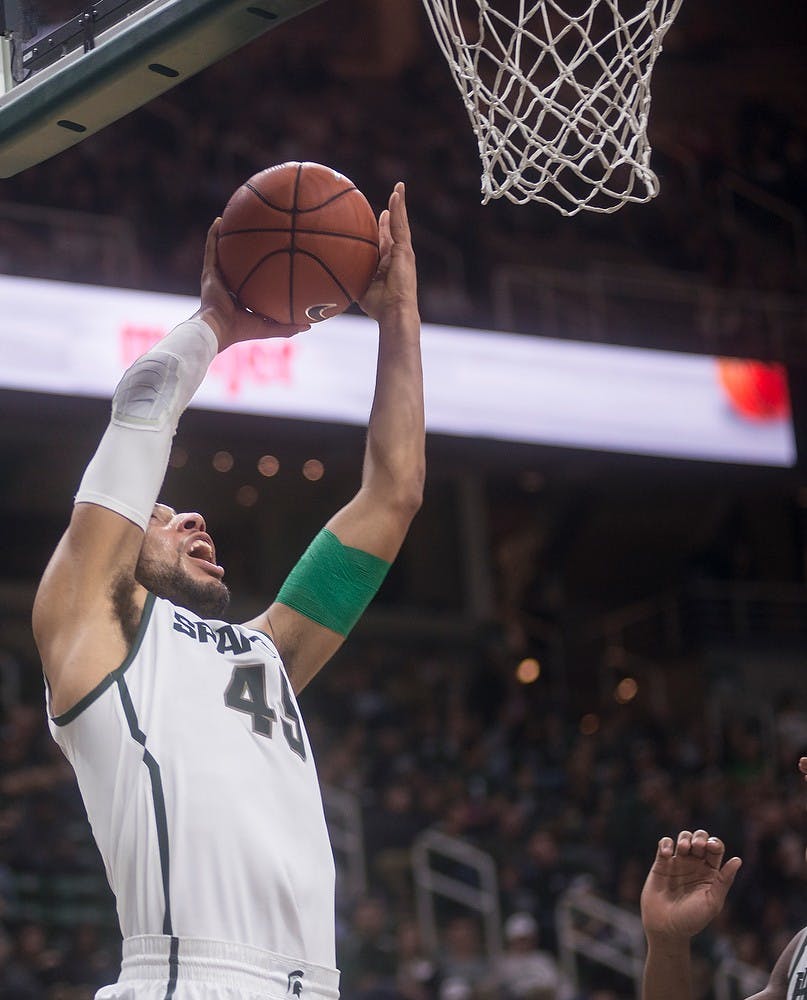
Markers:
(127, 470)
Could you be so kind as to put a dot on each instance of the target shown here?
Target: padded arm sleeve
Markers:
(127, 470)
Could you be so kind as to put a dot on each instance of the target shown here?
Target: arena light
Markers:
(268, 466)
(179, 457)
(247, 496)
(313, 470)
(528, 671)
(223, 461)
(626, 690)
(589, 724)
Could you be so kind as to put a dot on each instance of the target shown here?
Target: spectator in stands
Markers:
(461, 957)
(367, 952)
(16, 981)
(543, 875)
(455, 988)
(31, 965)
(524, 972)
(417, 973)
(390, 827)
(88, 962)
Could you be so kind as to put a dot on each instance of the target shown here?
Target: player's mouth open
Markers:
(201, 551)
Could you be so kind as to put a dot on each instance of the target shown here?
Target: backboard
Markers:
(67, 69)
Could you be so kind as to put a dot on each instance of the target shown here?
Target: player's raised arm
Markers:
(684, 891)
(343, 567)
(89, 595)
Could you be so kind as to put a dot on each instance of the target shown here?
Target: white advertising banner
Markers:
(76, 340)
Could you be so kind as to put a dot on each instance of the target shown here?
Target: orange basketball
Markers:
(298, 243)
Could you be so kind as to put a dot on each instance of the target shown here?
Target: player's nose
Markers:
(192, 521)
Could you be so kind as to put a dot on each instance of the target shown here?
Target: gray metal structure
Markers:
(104, 74)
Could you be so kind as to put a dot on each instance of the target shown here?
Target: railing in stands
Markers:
(343, 813)
(592, 929)
(735, 980)
(599, 933)
(446, 867)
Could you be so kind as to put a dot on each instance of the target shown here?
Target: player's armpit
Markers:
(330, 592)
(76, 631)
(304, 645)
(321, 600)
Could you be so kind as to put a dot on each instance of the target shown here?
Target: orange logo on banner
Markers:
(757, 390)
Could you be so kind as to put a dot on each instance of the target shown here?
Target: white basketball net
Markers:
(558, 93)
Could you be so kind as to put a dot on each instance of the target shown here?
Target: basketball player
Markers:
(183, 729)
(684, 892)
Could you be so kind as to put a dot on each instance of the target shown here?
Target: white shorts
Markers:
(157, 967)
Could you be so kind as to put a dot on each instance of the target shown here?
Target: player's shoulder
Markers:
(791, 966)
(794, 958)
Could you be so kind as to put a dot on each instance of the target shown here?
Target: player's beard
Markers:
(208, 598)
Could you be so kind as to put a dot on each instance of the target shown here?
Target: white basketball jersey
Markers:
(200, 786)
(797, 973)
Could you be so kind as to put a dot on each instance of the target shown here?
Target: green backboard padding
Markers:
(86, 91)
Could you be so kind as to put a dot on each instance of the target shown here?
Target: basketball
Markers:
(298, 243)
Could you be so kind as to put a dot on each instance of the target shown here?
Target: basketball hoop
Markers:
(558, 93)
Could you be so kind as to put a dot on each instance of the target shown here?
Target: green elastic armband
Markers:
(333, 583)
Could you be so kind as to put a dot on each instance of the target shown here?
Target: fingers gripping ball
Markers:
(298, 243)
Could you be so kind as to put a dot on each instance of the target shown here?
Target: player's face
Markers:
(178, 562)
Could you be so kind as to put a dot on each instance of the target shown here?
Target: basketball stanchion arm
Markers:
(132, 62)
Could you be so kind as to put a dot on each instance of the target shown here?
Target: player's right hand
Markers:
(229, 321)
(686, 887)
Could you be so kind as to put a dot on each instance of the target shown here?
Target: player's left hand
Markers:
(229, 321)
(395, 282)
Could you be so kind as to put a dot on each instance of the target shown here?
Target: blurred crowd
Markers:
(436, 738)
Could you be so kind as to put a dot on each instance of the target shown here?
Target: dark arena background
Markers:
(578, 650)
